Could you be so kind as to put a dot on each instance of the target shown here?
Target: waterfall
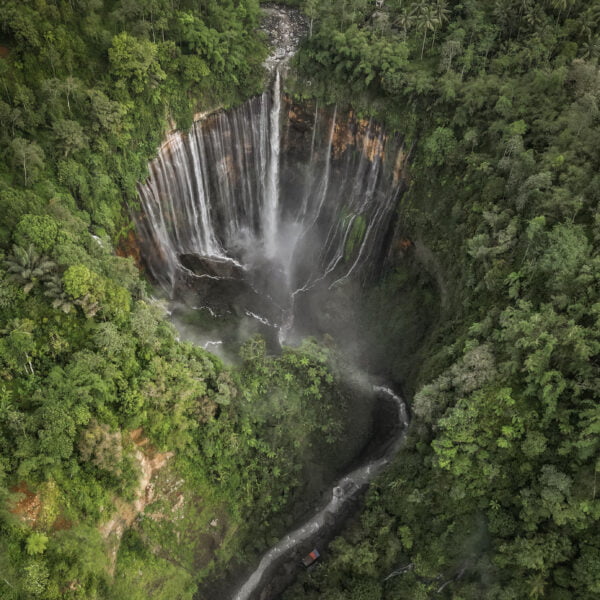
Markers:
(267, 202)
(271, 211)
(291, 212)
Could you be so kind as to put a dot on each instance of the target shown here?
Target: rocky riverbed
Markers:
(286, 27)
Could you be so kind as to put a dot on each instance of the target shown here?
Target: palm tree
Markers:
(426, 20)
(27, 267)
(61, 300)
(55, 290)
(535, 17)
(406, 20)
(591, 48)
(589, 23)
(561, 6)
(441, 13)
(89, 305)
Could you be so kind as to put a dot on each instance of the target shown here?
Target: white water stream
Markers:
(344, 490)
(271, 212)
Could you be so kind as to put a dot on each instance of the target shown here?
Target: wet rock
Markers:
(285, 27)
(205, 266)
(234, 295)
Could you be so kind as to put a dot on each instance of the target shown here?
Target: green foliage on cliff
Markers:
(87, 360)
(494, 494)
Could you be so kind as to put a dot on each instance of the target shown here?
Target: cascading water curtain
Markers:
(230, 189)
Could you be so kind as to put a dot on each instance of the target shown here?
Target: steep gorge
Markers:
(475, 294)
(280, 216)
(263, 204)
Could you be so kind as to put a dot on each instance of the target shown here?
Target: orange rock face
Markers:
(348, 132)
(129, 247)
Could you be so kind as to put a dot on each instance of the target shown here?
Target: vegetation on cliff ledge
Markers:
(96, 394)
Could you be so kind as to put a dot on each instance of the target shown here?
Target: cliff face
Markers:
(308, 128)
(256, 206)
(166, 512)
(394, 307)
(129, 246)
(330, 181)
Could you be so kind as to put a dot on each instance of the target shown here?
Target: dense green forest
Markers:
(96, 392)
(494, 493)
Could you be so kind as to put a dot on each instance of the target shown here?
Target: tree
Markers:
(41, 231)
(36, 543)
(103, 448)
(108, 114)
(36, 577)
(28, 267)
(85, 286)
(55, 290)
(426, 19)
(311, 9)
(28, 156)
(18, 345)
(79, 555)
(441, 14)
(70, 136)
(561, 6)
(450, 50)
(135, 62)
(406, 20)
(439, 146)
(587, 568)
(70, 86)
(11, 117)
